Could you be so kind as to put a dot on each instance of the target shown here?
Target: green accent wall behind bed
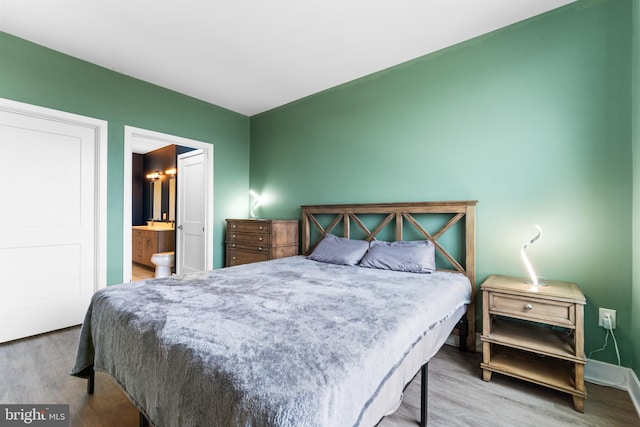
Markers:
(533, 121)
(36, 75)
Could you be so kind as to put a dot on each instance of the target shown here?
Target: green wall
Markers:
(33, 74)
(533, 121)
(635, 305)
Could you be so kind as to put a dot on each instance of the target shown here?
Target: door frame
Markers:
(100, 129)
(159, 140)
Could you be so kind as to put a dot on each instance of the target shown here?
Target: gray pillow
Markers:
(339, 250)
(415, 257)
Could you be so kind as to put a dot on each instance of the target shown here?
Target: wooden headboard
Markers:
(402, 215)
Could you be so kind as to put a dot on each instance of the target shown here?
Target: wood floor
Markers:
(36, 370)
(141, 272)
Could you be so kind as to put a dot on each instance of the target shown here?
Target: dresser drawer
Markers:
(237, 256)
(248, 247)
(248, 238)
(533, 309)
(249, 227)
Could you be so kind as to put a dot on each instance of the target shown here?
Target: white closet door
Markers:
(47, 223)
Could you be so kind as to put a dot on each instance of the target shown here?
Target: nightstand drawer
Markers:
(534, 309)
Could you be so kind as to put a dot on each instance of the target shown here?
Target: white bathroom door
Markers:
(47, 223)
(191, 220)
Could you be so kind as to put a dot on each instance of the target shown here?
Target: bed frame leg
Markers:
(91, 381)
(463, 332)
(424, 395)
(143, 421)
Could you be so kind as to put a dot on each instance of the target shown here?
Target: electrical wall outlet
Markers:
(602, 315)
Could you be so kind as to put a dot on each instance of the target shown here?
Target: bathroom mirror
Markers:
(158, 171)
(172, 198)
(162, 199)
(156, 200)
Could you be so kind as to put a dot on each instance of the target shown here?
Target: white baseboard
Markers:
(615, 376)
(595, 372)
(634, 390)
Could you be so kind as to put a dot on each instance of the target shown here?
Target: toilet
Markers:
(163, 262)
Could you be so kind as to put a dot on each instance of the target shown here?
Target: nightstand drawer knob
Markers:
(528, 307)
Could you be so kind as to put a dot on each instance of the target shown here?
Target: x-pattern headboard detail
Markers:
(401, 212)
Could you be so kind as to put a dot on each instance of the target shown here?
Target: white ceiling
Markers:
(250, 56)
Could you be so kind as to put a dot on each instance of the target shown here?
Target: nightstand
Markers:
(535, 333)
(253, 240)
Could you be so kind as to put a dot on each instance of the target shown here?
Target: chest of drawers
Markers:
(252, 240)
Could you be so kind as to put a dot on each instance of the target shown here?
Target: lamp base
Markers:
(529, 282)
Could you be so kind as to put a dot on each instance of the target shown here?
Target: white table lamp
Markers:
(525, 259)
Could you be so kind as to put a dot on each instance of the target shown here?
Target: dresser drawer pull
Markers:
(261, 228)
(260, 239)
(233, 245)
(233, 257)
(233, 236)
(528, 307)
(259, 248)
(233, 226)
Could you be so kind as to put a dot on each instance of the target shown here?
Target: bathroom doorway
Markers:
(142, 141)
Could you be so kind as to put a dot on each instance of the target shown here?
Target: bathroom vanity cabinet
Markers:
(149, 240)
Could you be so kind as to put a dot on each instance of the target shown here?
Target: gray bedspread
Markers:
(289, 342)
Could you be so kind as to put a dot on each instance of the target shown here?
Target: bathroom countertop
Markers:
(153, 228)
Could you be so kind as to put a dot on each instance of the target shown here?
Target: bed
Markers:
(294, 341)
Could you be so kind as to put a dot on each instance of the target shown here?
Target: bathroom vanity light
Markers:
(525, 259)
(171, 172)
(154, 175)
